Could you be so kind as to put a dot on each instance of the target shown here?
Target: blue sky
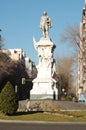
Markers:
(19, 20)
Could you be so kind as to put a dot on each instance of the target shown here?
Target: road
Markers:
(41, 126)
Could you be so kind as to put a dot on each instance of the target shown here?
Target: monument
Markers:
(44, 85)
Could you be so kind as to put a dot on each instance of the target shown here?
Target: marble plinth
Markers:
(43, 89)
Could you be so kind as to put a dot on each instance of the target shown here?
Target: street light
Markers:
(63, 90)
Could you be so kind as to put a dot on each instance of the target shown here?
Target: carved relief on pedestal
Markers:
(46, 66)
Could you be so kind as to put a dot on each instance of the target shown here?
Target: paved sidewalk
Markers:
(67, 105)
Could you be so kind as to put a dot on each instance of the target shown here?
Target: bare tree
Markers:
(76, 35)
(65, 73)
(1, 43)
(71, 35)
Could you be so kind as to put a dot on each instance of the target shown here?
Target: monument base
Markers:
(43, 89)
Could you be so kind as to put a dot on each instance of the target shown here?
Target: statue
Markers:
(44, 85)
(45, 24)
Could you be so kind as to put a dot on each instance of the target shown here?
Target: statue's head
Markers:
(45, 13)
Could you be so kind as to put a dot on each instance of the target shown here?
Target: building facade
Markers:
(15, 54)
(81, 82)
(19, 55)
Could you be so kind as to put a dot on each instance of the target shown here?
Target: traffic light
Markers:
(16, 88)
(23, 81)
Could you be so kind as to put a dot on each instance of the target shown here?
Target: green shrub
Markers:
(68, 98)
(8, 100)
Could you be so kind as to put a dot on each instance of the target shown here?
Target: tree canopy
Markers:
(13, 71)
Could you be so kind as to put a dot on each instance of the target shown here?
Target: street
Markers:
(41, 126)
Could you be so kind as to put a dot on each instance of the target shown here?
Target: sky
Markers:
(20, 19)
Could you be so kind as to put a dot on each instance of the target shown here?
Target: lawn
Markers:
(59, 116)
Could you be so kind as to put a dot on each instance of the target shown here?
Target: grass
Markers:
(59, 116)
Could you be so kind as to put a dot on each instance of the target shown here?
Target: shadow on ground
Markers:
(26, 113)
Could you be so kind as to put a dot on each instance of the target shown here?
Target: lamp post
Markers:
(63, 90)
(63, 94)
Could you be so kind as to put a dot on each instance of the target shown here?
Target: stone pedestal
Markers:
(44, 89)
(44, 86)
